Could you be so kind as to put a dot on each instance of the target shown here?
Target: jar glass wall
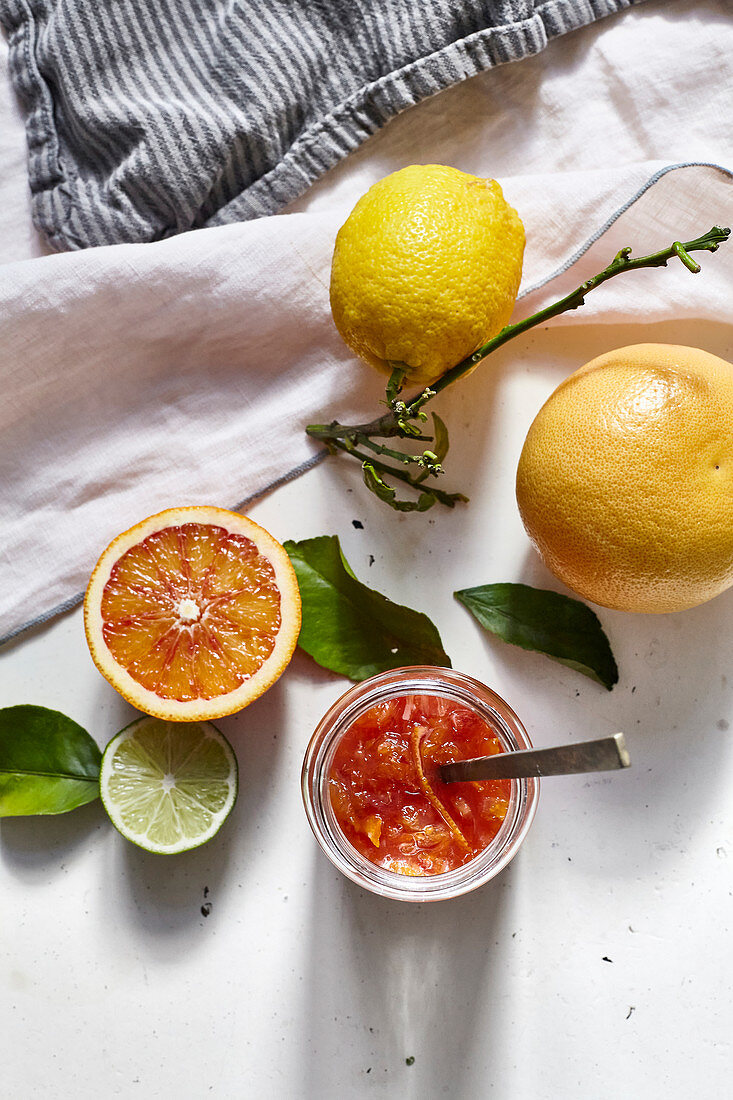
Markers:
(456, 688)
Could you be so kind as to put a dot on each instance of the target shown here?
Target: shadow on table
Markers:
(33, 848)
(674, 703)
(165, 896)
(401, 982)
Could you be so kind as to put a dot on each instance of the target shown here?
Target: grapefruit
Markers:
(625, 481)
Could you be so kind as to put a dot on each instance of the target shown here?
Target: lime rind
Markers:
(168, 786)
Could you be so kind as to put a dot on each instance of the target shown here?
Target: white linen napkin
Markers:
(139, 377)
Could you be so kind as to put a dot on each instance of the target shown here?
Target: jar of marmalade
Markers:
(373, 794)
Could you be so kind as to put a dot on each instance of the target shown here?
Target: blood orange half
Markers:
(193, 613)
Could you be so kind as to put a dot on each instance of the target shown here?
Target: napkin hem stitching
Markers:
(74, 601)
(580, 252)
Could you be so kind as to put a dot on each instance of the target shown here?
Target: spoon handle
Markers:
(602, 755)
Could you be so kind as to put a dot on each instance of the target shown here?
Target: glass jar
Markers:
(457, 688)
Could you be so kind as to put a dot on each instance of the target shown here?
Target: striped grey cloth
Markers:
(149, 117)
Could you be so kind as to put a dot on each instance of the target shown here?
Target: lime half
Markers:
(168, 786)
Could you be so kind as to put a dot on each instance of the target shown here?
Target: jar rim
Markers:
(425, 680)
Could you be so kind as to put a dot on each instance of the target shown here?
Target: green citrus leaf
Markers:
(48, 763)
(385, 492)
(350, 629)
(440, 435)
(547, 622)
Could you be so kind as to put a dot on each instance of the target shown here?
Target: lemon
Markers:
(426, 269)
(625, 481)
(168, 786)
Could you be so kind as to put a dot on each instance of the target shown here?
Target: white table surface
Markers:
(596, 966)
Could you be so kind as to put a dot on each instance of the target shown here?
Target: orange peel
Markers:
(418, 732)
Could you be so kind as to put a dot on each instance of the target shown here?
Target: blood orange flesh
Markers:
(185, 612)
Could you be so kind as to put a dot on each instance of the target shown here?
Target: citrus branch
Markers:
(397, 421)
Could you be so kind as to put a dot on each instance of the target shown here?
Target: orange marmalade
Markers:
(387, 795)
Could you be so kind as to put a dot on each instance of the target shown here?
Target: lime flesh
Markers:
(168, 786)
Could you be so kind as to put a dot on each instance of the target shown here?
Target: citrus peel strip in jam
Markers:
(380, 802)
(418, 732)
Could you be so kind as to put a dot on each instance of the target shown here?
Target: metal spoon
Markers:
(602, 755)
